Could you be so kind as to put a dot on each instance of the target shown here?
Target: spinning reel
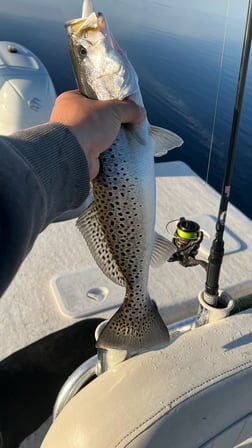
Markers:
(186, 238)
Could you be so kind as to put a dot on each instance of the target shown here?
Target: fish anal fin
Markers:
(163, 249)
(164, 140)
(136, 335)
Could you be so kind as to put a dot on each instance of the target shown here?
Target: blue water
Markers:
(176, 47)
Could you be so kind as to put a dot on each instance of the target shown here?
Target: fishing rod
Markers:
(211, 293)
(187, 237)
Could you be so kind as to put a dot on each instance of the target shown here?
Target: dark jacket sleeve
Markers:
(43, 173)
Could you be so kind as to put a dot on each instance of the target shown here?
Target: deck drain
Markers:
(98, 294)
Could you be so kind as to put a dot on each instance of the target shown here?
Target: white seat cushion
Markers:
(197, 392)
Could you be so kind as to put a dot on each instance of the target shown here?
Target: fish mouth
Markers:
(86, 25)
(94, 29)
(90, 21)
(86, 21)
(107, 69)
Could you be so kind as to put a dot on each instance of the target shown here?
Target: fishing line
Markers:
(227, 16)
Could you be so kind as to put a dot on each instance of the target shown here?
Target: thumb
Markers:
(130, 112)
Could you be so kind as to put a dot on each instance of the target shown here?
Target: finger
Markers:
(93, 167)
(130, 112)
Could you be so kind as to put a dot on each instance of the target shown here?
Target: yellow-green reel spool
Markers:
(187, 230)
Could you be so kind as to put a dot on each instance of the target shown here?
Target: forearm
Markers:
(43, 173)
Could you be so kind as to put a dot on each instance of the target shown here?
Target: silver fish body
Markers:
(119, 225)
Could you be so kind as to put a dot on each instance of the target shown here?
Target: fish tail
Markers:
(136, 331)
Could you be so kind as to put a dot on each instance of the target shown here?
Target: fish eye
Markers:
(82, 50)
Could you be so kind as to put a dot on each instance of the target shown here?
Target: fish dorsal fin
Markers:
(164, 140)
(89, 225)
(162, 250)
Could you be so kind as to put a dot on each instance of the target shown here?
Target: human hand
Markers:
(94, 123)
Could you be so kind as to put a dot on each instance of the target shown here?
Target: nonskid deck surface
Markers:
(59, 281)
(29, 309)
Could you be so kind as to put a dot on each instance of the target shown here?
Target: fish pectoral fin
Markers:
(146, 331)
(134, 134)
(164, 140)
(163, 249)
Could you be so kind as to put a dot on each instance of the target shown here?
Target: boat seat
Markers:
(196, 392)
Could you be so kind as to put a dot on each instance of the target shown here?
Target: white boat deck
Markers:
(60, 262)
(29, 309)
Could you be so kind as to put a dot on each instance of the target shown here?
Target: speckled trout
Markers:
(119, 224)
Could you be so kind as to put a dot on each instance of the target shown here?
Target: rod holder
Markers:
(208, 313)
